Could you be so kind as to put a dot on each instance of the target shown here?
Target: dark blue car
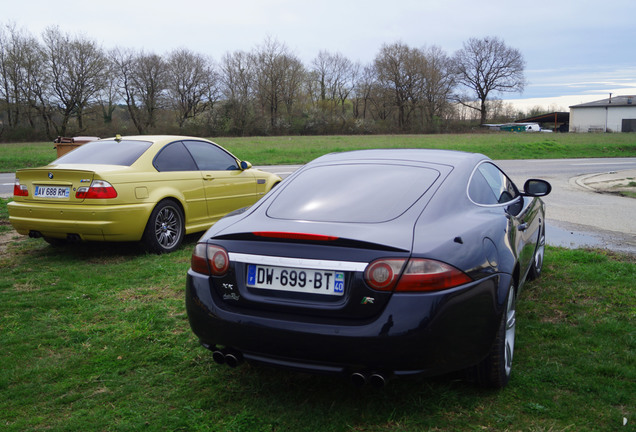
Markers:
(370, 264)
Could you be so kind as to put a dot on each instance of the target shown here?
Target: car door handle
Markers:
(522, 227)
(208, 178)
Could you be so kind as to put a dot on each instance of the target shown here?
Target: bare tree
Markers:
(109, 94)
(487, 65)
(278, 77)
(238, 89)
(332, 79)
(439, 83)
(77, 67)
(24, 83)
(400, 70)
(9, 74)
(142, 81)
(149, 78)
(364, 83)
(122, 61)
(192, 84)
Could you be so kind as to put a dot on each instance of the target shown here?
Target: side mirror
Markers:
(536, 188)
(245, 165)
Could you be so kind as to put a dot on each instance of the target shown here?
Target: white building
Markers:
(615, 114)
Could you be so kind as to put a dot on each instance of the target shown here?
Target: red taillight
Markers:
(294, 235)
(210, 260)
(428, 275)
(19, 189)
(419, 275)
(99, 189)
(382, 274)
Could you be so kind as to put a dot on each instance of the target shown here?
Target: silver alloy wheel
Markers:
(168, 227)
(538, 255)
(511, 324)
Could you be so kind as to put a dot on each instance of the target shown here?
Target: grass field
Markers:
(301, 149)
(95, 336)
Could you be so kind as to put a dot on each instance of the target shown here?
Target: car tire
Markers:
(165, 228)
(537, 259)
(494, 370)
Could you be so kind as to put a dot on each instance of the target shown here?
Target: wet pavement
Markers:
(574, 236)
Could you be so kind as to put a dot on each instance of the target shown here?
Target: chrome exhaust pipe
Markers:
(358, 379)
(377, 380)
(227, 356)
(218, 356)
(233, 358)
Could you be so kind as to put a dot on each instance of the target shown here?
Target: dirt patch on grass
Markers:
(7, 238)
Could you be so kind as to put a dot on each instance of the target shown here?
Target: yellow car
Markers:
(153, 189)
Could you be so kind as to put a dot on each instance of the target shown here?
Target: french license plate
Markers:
(52, 191)
(296, 280)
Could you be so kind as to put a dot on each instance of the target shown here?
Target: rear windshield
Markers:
(369, 193)
(106, 152)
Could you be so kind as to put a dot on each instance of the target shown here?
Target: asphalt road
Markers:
(576, 215)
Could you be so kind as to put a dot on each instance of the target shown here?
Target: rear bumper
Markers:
(430, 333)
(91, 222)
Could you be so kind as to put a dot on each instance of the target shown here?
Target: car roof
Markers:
(445, 157)
(155, 138)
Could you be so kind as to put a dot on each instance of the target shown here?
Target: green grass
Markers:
(301, 149)
(25, 155)
(292, 150)
(95, 337)
(4, 216)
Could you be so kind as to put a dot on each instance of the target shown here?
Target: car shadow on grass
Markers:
(294, 398)
(11, 243)
(114, 249)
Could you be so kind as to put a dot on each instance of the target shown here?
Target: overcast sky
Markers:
(575, 50)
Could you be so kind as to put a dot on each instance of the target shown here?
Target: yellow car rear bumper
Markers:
(124, 222)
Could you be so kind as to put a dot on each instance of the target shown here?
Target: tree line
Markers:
(67, 85)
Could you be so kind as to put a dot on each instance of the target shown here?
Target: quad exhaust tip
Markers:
(374, 379)
(234, 358)
(227, 356)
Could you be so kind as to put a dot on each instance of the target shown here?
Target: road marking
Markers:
(600, 163)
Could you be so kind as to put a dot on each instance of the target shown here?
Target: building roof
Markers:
(616, 101)
(553, 117)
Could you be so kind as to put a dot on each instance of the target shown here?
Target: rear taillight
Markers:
(430, 275)
(419, 275)
(20, 189)
(99, 189)
(210, 260)
(383, 274)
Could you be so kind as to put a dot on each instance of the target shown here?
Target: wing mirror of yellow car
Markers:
(245, 165)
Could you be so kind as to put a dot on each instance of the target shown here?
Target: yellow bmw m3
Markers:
(153, 189)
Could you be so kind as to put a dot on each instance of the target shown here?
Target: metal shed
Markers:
(614, 114)
(557, 121)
